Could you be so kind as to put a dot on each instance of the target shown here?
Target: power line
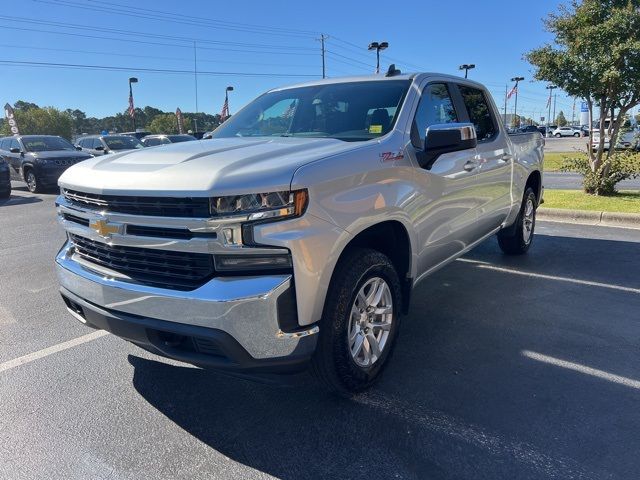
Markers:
(155, 57)
(189, 40)
(172, 17)
(359, 50)
(349, 58)
(145, 42)
(148, 70)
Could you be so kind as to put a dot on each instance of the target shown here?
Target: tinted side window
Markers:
(435, 108)
(83, 142)
(14, 144)
(479, 112)
(96, 143)
(4, 144)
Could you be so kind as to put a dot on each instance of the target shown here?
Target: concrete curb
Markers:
(587, 217)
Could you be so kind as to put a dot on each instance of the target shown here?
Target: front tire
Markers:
(360, 322)
(33, 182)
(557, 135)
(576, 135)
(517, 239)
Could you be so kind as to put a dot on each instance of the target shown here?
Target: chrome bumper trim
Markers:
(193, 245)
(244, 307)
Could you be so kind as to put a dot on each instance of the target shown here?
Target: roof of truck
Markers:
(378, 78)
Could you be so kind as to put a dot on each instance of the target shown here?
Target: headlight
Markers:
(260, 206)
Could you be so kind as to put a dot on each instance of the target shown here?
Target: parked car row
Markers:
(5, 180)
(39, 160)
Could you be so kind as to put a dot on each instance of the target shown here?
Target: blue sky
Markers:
(280, 39)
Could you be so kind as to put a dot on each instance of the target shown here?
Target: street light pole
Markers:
(550, 88)
(377, 47)
(515, 108)
(466, 67)
(226, 98)
(132, 111)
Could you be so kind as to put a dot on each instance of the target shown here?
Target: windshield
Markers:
(353, 111)
(123, 143)
(46, 144)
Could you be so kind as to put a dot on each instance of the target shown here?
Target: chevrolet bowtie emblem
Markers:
(104, 228)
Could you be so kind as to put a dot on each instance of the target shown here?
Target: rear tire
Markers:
(557, 135)
(517, 239)
(362, 315)
(576, 135)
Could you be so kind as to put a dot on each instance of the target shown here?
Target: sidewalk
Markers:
(586, 217)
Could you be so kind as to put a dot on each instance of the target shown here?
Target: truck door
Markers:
(445, 204)
(494, 158)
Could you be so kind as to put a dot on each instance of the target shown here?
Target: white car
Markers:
(625, 140)
(566, 132)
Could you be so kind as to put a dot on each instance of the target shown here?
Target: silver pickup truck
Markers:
(295, 236)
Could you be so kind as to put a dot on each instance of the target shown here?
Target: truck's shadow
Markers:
(460, 399)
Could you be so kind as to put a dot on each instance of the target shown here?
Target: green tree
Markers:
(167, 123)
(561, 121)
(596, 56)
(22, 105)
(42, 121)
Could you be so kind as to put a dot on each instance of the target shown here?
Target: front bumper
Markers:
(235, 323)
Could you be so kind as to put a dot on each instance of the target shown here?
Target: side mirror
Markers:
(78, 147)
(14, 150)
(446, 138)
(99, 147)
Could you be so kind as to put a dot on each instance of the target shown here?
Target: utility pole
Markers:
(550, 88)
(573, 112)
(555, 97)
(195, 78)
(506, 92)
(323, 37)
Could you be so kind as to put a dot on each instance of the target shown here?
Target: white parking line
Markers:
(627, 382)
(31, 357)
(551, 277)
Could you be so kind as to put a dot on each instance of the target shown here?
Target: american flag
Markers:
(132, 110)
(225, 110)
(291, 109)
(513, 90)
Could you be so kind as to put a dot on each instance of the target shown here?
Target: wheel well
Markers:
(392, 239)
(25, 169)
(535, 182)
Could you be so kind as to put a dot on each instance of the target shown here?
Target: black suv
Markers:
(39, 160)
(5, 180)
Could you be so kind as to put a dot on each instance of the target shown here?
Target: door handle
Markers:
(507, 157)
(470, 165)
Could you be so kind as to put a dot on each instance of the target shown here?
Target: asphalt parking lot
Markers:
(565, 144)
(506, 367)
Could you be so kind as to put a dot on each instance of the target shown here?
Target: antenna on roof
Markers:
(392, 71)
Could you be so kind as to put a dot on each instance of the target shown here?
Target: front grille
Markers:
(194, 207)
(145, 231)
(158, 268)
(67, 161)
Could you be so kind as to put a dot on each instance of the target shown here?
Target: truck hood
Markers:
(226, 166)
